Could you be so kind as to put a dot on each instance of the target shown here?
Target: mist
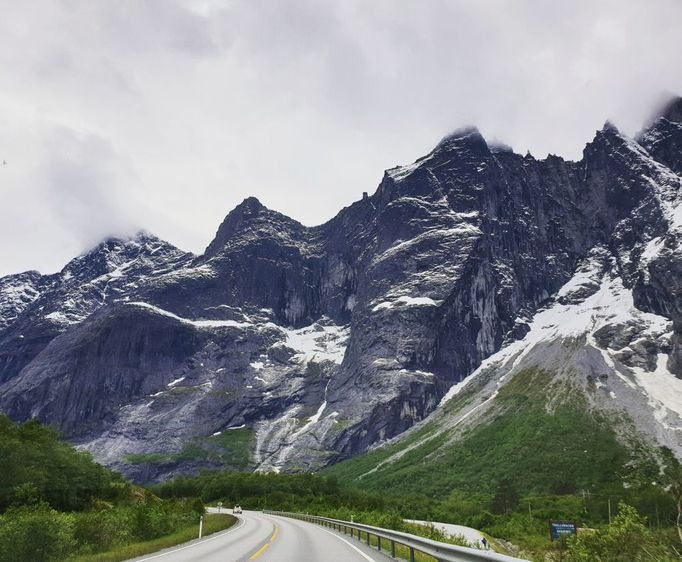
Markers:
(165, 114)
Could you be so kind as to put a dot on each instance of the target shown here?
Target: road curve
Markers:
(269, 538)
(474, 536)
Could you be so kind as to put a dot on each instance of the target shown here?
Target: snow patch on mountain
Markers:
(196, 323)
(441, 235)
(320, 341)
(405, 301)
(664, 391)
(61, 318)
(18, 292)
(609, 307)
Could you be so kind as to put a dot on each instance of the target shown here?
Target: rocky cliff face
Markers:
(304, 345)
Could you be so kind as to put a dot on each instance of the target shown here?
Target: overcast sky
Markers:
(121, 114)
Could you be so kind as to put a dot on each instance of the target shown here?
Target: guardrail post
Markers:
(411, 554)
(392, 549)
(379, 543)
(368, 538)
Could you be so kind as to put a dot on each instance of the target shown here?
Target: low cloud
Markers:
(87, 187)
(165, 114)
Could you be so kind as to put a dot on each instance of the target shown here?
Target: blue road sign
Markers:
(562, 529)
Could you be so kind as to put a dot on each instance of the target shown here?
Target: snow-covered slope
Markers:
(592, 333)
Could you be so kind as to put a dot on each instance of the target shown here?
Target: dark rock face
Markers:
(658, 285)
(112, 270)
(663, 139)
(85, 373)
(326, 340)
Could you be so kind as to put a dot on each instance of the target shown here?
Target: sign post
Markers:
(559, 530)
(220, 505)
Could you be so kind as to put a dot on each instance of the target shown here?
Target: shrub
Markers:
(627, 539)
(36, 534)
(96, 531)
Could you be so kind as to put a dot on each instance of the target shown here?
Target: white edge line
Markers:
(349, 544)
(198, 542)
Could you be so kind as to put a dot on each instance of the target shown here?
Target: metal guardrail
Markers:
(443, 552)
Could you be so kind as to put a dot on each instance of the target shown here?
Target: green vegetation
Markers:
(38, 532)
(231, 449)
(529, 463)
(57, 503)
(503, 512)
(212, 524)
(36, 466)
(284, 492)
(300, 493)
(146, 458)
(628, 539)
(560, 451)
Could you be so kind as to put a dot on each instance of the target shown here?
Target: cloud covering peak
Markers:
(165, 114)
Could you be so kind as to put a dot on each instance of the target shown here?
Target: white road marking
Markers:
(355, 548)
(203, 541)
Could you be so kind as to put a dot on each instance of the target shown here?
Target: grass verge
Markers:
(212, 524)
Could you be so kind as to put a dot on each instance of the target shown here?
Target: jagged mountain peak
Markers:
(608, 141)
(469, 252)
(465, 146)
(663, 138)
(115, 251)
(609, 130)
(464, 140)
(668, 114)
(499, 147)
(251, 218)
(139, 239)
(115, 266)
(672, 110)
(250, 204)
(462, 136)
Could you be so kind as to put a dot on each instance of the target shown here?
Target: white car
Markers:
(237, 509)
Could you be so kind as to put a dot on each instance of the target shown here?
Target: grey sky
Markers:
(164, 114)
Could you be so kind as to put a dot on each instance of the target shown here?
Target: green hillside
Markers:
(57, 503)
(540, 453)
(538, 449)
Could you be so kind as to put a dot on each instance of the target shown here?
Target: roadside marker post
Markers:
(201, 525)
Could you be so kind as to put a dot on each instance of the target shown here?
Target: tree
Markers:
(36, 533)
(627, 539)
(506, 498)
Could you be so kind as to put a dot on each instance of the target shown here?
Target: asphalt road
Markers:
(268, 538)
(472, 535)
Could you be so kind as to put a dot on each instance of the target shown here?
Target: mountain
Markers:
(286, 347)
